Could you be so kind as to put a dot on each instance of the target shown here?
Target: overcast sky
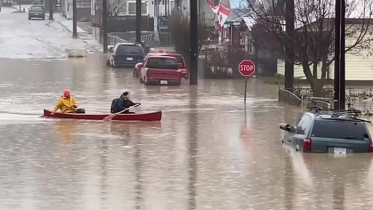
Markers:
(236, 3)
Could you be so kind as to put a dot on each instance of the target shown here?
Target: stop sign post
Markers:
(246, 69)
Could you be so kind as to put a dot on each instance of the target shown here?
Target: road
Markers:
(209, 152)
(36, 39)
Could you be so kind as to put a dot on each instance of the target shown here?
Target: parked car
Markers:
(125, 55)
(179, 59)
(328, 132)
(161, 70)
(36, 11)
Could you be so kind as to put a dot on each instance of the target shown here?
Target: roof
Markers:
(249, 22)
(161, 56)
(236, 15)
(347, 20)
(331, 22)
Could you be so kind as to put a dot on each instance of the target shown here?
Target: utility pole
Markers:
(51, 9)
(75, 33)
(138, 21)
(289, 48)
(104, 24)
(339, 61)
(193, 69)
(342, 65)
(337, 53)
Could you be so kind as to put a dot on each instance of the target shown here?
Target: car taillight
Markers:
(307, 144)
(371, 147)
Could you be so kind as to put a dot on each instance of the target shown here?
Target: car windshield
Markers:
(179, 58)
(168, 63)
(133, 49)
(340, 129)
(37, 8)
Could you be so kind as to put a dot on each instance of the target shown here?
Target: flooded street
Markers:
(208, 152)
(201, 156)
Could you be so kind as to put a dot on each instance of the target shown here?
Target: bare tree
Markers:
(313, 41)
(179, 26)
(116, 6)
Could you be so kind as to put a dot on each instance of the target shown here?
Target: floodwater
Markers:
(204, 154)
(208, 152)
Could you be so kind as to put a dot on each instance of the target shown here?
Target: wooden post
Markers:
(75, 33)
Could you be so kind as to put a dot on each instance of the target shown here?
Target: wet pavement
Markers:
(37, 39)
(208, 152)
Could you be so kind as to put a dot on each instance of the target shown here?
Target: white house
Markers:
(359, 62)
(83, 9)
(204, 11)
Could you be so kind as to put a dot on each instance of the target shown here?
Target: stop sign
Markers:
(246, 68)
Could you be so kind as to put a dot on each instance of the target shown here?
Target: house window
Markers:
(131, 8)
(250, 45)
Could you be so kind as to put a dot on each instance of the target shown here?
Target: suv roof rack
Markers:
(349, 114)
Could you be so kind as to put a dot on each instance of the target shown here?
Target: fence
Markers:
(360, 98)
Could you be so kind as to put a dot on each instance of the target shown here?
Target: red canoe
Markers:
(153, 116)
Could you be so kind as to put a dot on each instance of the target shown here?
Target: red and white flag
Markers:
(214, 8)
(221, 11)
(223, 15)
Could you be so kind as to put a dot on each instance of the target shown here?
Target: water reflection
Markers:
(104, 173)
(138, 188)
(192, 148)
(314, 174)
(65, 129)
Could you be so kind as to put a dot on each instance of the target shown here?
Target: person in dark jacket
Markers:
(124, 102)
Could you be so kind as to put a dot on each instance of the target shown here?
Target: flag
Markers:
(223, 14)
(221, 11)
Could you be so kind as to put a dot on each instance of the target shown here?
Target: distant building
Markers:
(204, 11)
(83, 9)
(359, 66)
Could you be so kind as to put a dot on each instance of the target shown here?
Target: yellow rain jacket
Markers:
(66, 105)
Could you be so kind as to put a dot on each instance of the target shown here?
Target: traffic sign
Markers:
(246, 68)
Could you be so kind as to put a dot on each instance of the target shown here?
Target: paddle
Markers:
(110, 117)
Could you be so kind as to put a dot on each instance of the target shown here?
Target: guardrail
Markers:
(145, 38)
(325, 103)
(289, 97)
(113, 40)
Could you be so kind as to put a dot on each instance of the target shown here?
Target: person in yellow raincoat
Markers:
(66, 104)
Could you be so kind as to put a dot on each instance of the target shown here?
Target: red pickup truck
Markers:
(179, 59)
(161, 70)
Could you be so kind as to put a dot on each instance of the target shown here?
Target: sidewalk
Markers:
(67, 24)
(82, 34)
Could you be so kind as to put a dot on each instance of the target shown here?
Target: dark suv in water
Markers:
(328, 132)
(126, 55)
(36, 11)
